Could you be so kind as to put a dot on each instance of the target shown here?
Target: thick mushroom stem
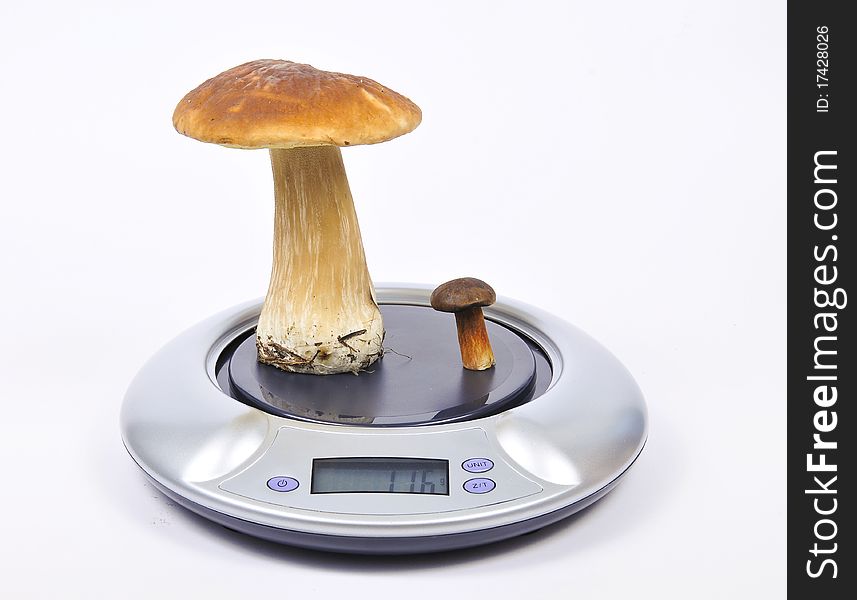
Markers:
(476, 353)
(320, 314)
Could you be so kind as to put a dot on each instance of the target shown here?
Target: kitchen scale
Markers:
(416, 455)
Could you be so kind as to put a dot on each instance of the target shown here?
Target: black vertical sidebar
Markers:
(822, 368)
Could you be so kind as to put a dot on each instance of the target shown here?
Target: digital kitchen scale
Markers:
(416, 455)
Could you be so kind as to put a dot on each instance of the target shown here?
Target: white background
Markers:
(620, 164)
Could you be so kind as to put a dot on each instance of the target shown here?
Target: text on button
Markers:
(479, 485)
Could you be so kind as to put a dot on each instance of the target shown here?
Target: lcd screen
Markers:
(380, 475)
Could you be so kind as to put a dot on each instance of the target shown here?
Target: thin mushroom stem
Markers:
(320, 315)
(476, 353)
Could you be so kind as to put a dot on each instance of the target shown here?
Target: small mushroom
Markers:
(465, 297)
(320, 315)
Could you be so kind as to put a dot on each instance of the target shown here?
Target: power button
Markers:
(283, 484)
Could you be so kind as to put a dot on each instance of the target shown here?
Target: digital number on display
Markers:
(380, 475)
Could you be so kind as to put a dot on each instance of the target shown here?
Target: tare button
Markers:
(477, 465)
(479, 485)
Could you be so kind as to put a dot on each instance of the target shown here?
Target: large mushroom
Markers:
(320, 315)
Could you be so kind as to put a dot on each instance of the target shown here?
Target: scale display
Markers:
(380, 476)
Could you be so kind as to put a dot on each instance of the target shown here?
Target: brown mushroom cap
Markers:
(282, 104)
(459, 294)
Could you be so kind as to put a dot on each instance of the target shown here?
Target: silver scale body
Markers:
(553, 455)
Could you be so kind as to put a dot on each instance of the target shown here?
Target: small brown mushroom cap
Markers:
(459, 294)
(283, 104)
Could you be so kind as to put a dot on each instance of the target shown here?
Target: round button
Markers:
(477, 465)
(479, 485)
(283, 484)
